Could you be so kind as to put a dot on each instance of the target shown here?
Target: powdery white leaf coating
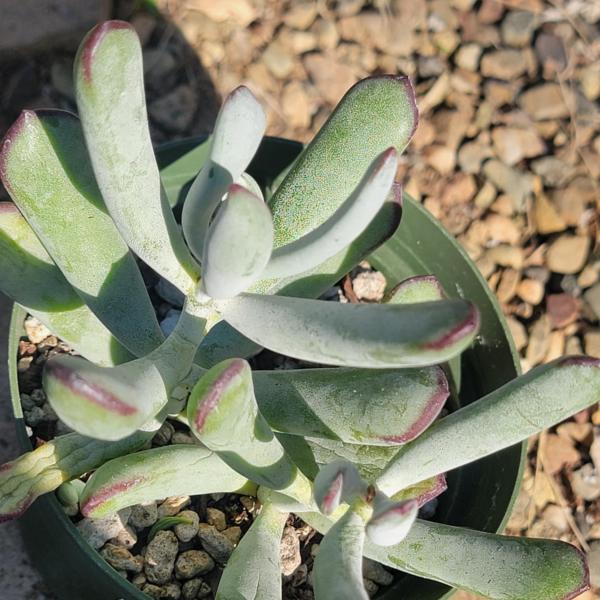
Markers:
(177, 470)
(356, 335)
(391, 521)
(343, 227)
(109, 90)
(253, 571)
(337, 482)
(238, 132)
(238, 244)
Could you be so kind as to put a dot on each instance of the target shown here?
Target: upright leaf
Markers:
(32, 279)
(181, 469)
(109, 89)
(360, 406)
(44, 469)
(238, 132)
(358, 335)
(376, 113)
(543, 397)
(238, 244)
(253, 571)
(62, 204)
(343, 227)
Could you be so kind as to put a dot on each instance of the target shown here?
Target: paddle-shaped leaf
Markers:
(110, 403)
(238, 244)
(496, 566)
(238, 132)
(63, 206)
(343, 227)
(44, 469)
(222, 408)
(391, 521)
(378, 112)
(424, 491)
(338, 482)
(109, 90)
(253, 571)
(543, 397)
(337, 571)
(177, 470)
(360, 406)
(32, 279)
(356, 335)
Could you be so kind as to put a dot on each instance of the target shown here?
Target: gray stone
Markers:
(376, 572)
(169, 293)
(121, 559)
(192, 563)
(160, 556)
(167, 325)
(143, 515)
(215, 543)
(98, 531)
(517, 28)
(186, 532)
(217, 518)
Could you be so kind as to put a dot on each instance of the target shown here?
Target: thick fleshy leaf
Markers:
(337, 571)
(44, 469)
(181, 469)
(377, 113)
(360, 406)
(222, 408)
(496, 566)
(223, 342)
(110, 98)
(238, 244)
(110, 403)
(356, 335)
(338, 482)
(391, 521)
(32, 279)
(63, 206)
(543, 397)
(253, 571)
(424, 491)
(238, 132)
(343, 227)
(421, 288)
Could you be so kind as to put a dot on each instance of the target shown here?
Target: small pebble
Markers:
(171, 506)
(98, 531)
(215, 543)
(143, 515)
(160, 557)
(216, 518)
(376, 572)
(121, 559)
(191, 563)
(233, 534)
(184, 531)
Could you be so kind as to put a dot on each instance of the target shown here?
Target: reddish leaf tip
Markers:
(332, 498)
(5, 145)
(94, 39)
(218, 386)
(579, 361)
(428, 415)
(104, 494)
(88, 390)
(585, 584)
(469, 325)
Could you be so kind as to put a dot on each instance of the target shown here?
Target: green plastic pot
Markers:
(479, 496)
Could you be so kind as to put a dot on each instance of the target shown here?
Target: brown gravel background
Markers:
(507, 153)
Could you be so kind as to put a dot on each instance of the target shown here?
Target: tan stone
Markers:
(531, 290)
(568, 254)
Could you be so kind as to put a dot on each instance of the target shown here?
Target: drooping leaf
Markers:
(238, 244)
(63, 206)
(343, 227)
(222, 408)
(110, 98)
(543, 397)
(337, 571)
(110, 403)
(338, 482)
(238, 132)
(358, 130)
(496, 566)
(356, 335)
(253, 571)
(391, 521)
(181, 469)
(44, 469)
(32, 279)
(360, 406)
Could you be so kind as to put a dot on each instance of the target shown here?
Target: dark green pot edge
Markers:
(71, 567)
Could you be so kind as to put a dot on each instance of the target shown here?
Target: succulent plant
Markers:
(88, 200)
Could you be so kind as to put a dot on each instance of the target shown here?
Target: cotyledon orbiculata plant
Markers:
(88, 198)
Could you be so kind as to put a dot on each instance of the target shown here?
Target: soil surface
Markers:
(507, 155)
